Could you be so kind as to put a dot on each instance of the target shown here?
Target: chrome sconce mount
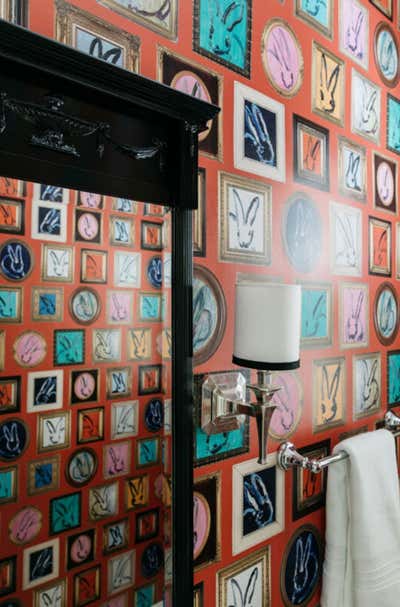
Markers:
(224, 405)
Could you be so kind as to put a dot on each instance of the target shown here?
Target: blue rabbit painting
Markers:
(260, 134)
(314, 313)
(318, 10)
(259, 496)
(223, 31)
(302, 568)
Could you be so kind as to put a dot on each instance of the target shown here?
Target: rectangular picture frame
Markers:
(352, 169)
(329, 393)
(309, 489)
(316, 315)
(380, 246)
(310, 153)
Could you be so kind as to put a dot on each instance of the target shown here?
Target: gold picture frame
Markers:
(70, 19)
(32, 473)
(54, 304)
(329, 389)
(169, 29)
(261, 561)
(326, 29)
(328, 84)
(52, 434)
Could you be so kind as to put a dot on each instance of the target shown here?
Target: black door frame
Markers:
(36, 144)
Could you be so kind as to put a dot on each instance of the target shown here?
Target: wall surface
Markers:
(298, 183)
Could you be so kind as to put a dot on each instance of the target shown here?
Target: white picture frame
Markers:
(264, 160)
(251, 478)
(45, 216)
(365, 107)
(346, 246)
(54, 547)
(45, 390)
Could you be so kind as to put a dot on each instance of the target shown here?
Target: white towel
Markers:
(362, 555)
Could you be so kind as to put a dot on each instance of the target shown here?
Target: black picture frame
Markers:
(313, 502)
(319, 134)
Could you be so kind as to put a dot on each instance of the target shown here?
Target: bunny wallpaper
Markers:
(298, 182)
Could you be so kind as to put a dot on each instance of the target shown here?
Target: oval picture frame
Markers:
(303, 254)
(202, 311)
(93, 471)
(286, 565)
(202, 87)
(382, 27)
(198, 549)
(72, 310)
(385, 286)
(279, 57)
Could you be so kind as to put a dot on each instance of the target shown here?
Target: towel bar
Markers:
(289, 457)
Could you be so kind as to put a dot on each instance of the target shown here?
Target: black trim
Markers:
(265, 366)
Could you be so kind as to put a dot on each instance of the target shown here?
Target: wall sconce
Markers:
(267, 338)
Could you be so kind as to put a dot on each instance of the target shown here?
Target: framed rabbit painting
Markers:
(207, 520)
(247, 581)
(311, 153)
(328, 82)
(366, 384)
(354, 31)
(365, 107)
(259, 133)
(317, 13)
(289, 405)
(352, 170)
(309, 489)
(301, 566)
(329, 393)
(386, 313)
(316, 315)
(386, 52)
(353, 316)
(385, 183)
(245, 220)
(302, 232)
(393, 124)
(157, 15)
(258, 503)
(393, 378)
(380, 247)
(346, 239)
(282, 57)
(222, 32)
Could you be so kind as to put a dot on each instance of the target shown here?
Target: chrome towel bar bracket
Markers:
(289, 457)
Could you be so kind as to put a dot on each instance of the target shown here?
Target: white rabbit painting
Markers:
(246, 225)
(245, 589)
(367, 384)
(58, 263)
(346, 242)
(365, 107)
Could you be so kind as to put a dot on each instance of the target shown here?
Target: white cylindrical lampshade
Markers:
(267, 326)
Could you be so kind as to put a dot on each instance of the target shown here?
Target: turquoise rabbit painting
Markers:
(393, 396)
(222, 32)
(393, 124)
(317, 13)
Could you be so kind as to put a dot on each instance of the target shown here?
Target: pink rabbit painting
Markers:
(282, 58)
(354, 326)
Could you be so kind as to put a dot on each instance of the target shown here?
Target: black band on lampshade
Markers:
(265, 366)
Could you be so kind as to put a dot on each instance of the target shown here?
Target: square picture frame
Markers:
(161, 22)
(150, 307)
(207, 520)
(309, 489)
(245, 220)
(236, 53)
(253, 570)
(10, 393)
(117, 459)
(11, 304)
(380, 247)
(69, 347)
(151, 235)
(103, 501)
(328, 85)
(116, 535)
(90, 200)
(352, 165)
(354, 31)
(367, 384)
(139, 344)
(353, 315)
(94, 266)
(329, 393)
(124, 205)
(12, 216)
(49, 221)
(90, 425)
(59, 590)
(43, 475)
(53, 431)
(125, 562)
(89, 34)
(316, 315)
(119, 382)
(192, 79)
(150, 379)
(45, 390)
(127, 269)
(43, 192)
(11, 188)
(8, 579)
(393, 378)
(136, 492)
(8, 486)
(146, 595)
(384, 171)
(57, 263)
(310, 153)
(119, 307)
(106, 345)
(47, 304)
(48, 551)
(366, 95)
(88, 226)
(322, 20)
(122, 231)
(148, 452)
(253, 523)
(84, 386)
(147, 525)
(384, 6)
(251, 153)
(87, 586)
(346, 243)
(124, 419)
(199, 216)
(65, 513)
